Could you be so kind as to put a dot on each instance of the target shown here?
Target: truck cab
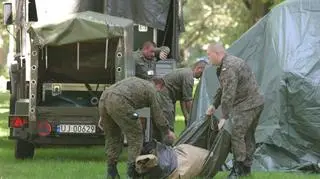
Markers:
(61, 66)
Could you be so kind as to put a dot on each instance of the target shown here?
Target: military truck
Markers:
(65, 53)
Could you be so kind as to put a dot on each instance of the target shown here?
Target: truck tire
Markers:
(24, 149)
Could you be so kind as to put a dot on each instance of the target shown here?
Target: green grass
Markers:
(84, 162)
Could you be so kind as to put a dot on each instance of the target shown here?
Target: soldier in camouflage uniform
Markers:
(240, 101)
(146, 59)
(117, 106)
(178, 86)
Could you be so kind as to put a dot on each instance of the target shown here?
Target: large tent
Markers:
(283, 49)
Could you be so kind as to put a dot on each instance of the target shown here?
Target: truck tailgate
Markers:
(70, 120)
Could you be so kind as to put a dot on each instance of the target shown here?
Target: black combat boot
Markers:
(237, 170)
(246, 170)
(113, 172)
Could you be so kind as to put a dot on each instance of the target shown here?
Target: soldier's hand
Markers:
(163, 55)
(170, 138)
(100, 124)
(221, 123)
(210, 110)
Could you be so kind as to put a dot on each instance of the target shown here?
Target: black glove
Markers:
(132, 173)
(149, 147)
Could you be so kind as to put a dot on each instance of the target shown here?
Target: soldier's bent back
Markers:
(138, 93)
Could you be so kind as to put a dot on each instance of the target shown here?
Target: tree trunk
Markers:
(258, 10)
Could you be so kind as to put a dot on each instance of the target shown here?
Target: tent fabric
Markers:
(206, 135)
(201, 133)
(82, 26)
(219, 152)
(152, 13)
(283, 51)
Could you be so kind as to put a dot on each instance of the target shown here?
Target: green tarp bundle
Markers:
(283, 49)
(77, 27)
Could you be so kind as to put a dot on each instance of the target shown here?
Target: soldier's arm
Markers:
(229, 81)
(186, 109)
(217, 98)
(187, 88)
(164, 49)
(156, 112)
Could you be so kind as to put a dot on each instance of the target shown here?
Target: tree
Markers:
(220, 20)
(259, 8)
(4, 38)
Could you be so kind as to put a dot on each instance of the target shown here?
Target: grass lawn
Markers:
(65, 163)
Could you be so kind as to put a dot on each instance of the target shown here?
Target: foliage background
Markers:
(4, 43)
(218, 20)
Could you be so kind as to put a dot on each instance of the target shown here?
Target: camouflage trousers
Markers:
(117, 115)
(243, 142)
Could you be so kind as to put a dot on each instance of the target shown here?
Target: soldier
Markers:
(146, 59)
(240, 101)
(117, 106)
(178, 85)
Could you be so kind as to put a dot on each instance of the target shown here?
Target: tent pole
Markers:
(106, 55)
(155, 36)
(78, 49)
(46, 51)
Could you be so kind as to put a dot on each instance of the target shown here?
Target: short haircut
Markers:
(157, 79)
(148, 44)
(216, 47)
(198, 63)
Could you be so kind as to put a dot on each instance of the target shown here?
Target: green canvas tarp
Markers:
(82, 26)
(283, 49)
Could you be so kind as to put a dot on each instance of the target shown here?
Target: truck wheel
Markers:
(24, 149)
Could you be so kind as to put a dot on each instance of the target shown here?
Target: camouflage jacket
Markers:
(239, 89)
(140, 93)
(179, 85)
(144, 65)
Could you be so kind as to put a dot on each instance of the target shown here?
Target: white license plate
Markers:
(80, 129)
